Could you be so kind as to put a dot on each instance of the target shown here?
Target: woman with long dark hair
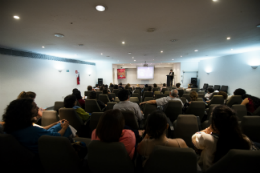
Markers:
(223, 135)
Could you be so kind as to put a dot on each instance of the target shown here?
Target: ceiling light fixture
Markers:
(16, 17)
(100, 8)
(196, 50)
(59, 35)
(231, 49)
(228, 38)
(43, 47)
(134, 60)
(172, 59)
(215, 0)
(101, 54)
(133, 57)
(181, 56)
(161, 51)
(123, 42)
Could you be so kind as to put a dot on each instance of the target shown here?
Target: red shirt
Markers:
(250, 106)
(82, 103)
(127, 138)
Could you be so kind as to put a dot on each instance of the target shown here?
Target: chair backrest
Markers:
(116, 92)
(157, 96)
(109, 157)
(195, 89)
(186, 126)
(134, 99)
(183, 99)
(187, 96)
(14, 156)
(117, 100)
(172, 109)
(91, 105)
(98, 93)
(217, 99)
(224, 88)
(112, 95)
(104, 98)
(157, 92)
(58, 105)
(57, 154)
(156, 89)
(216, 87)
(110, 105)
(136, 95)
(200, 99)
(250, 126)
(210, 86)
(196, 108)
(148, 109)
(94, 119)
(130, 119)
(48, 117)
(237, 161)
(205, 86)
(210, 110)
(164, 89)
(212, 95)
(235, 99)
(180, 93)
(240, 110)
(71, 115)
(170, 159)
(257, 111)
(201, 94)
(167, 92)
(148, 98)
(147, 94)
(87, 93)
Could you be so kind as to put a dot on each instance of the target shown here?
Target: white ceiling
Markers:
(196, 24)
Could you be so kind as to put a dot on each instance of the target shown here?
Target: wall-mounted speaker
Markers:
(100, 81)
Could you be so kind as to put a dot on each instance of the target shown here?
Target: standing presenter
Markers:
(171, 78)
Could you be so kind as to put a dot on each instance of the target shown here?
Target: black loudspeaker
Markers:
(194, 81)
(100, 81)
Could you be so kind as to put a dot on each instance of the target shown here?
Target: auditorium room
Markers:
(112, 86)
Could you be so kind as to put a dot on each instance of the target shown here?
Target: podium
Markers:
(169, 80)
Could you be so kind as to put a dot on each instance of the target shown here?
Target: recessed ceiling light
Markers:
(134, 60)
(196, 50)
(231, 49)
(129, 53)
(123, 42)
(258, 26)
(228, 38)
(100, 8)
(133, 57)
(161, 51)
(59, 35)
(16, 17)
(172, 59)
(101, 54)
(181, 56)
(43, 47)
(215, 0)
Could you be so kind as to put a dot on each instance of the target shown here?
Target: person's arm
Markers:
(245, 101)
(149, 102)
(64, 125)
(49, 126)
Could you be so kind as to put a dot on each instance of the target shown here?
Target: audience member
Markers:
(97, 87)
(149, 89)
(125, 104)
(156, 128)
(189, 88)
(19, 117)
(115, 86)
(93, 95)
(224, 94)
(137, 85)
(155, 85)
(251, 102)
(120, 86)
(209, 94)
(77, 94)
(110, 128)
(90, 88)
(193, 96)
(105, 91)
(111, 85)
(144, 89)
(164, 86)
(173, 95)
(223, 134)
(178, 86)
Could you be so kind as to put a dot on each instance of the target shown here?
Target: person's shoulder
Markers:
(127, 133)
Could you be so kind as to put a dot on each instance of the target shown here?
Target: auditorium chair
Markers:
(183, 99)
(224, 88)
(116, 92)
(138, 91)
(201, 94)
(130, 119)
(91, 105)
(257, 111)
(17, 158)
(157, 92)
(196, 108)
(185, 126)
(86, 93)
(250, 126)
(200, 99)
(180, 93)
(235, 99)
(187, 96)
(147, 94)
(240, 110)
(172, 109)
(111, 89)
(57, 106)
(205, 87)
(156, 89)
(71, 115)
(157, 96)
(217, 99)
(98, 93)
(109, 157)
(209, 110)
(117, 100)
(58, 155)
(148, 98)
(238, 161)
(110, 105)
(195, 89)
(104, 98)
(134, 99)
(167, 92)
(165, 89)
(148, 109)
(49, 117)
(214, 94)
(112, 95)
(216, 87)
(137, 95)
(94, 119)
(171, 159)
(210, 86)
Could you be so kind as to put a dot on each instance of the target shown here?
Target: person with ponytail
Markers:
(223, 135)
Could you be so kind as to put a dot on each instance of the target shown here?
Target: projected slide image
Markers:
(145, 72)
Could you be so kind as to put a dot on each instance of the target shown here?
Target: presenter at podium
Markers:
(171, 78)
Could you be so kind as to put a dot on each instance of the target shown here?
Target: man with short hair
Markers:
(173, 95)
(125, 104)
(120, 86)
(90, 88)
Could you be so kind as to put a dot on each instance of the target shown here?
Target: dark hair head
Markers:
(92, 95)
(146, 85)
(115, 86)
(164, 84)
(105, 91)
(224, 122)
(149, 88)
(101, 88)
(120, 84)
(171, 70)
(77, 94)
(156, 124)
(31, 94)
(123, 95)
(19, 115)
(178, 85)
(155, 85)
(89, 88)
(223, 93)
(97, 85)
(110, 126)
(74, 91)
(26, 95)
(239, 91)
(210, 90)
(127, 86)
(194, 96)
(69, 101)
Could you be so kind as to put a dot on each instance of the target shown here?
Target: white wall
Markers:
(234, 71)
(41, 76)
(188, 67)
(105, 71)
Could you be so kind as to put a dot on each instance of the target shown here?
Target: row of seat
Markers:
(215, 87)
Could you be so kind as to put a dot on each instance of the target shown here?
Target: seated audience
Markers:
(110, 128)
(178, 86)
(1, 127)
(125, 104)
(120, 86)
(156, 128)
(137, 85)
(224, 94)
(223, 135)
(77, 94)
(144, 89)
(164, 86)
(111, 85)
(70, 101)
(173, 95)
(209, 93)
(105, 91)
(97, 87)
(251, 102)
(90, 88)
(155, 85)
(189, 88)
(193, 96)
(93, 95)
(19, 117)
(115, 86)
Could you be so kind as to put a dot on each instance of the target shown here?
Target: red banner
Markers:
(121, 73)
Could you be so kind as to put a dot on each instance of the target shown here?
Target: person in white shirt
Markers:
(209, 93)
